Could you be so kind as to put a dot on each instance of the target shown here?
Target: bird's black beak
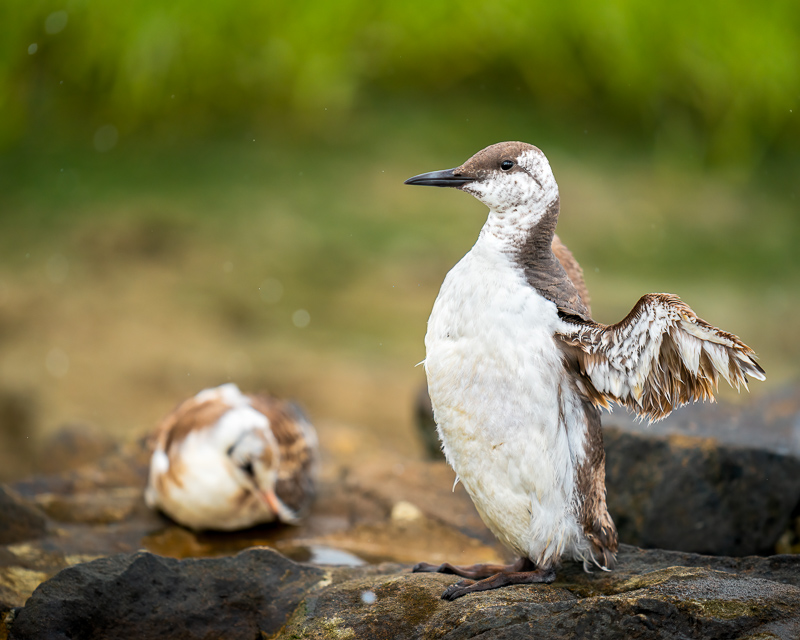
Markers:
(446, 178)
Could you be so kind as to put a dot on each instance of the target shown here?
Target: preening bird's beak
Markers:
(278, 508)
(446, 178)
(272, 501)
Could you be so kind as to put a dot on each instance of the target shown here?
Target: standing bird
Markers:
(517, 370)
(225, 460)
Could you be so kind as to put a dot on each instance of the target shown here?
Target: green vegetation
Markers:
(719, 78)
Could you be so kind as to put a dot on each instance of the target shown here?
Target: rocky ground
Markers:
(101, 565)
(262, 594)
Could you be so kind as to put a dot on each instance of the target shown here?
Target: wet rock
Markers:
(789, 542)
(697, 494)
(714, 478)
(669, 603)
(22, 568)
(17, 426)
(147, 596)
(259, 593)
(19, 520)
(115, 478)
(430, 486)
(408, 541)
(633, 561)
(100, 507)
(71, 447)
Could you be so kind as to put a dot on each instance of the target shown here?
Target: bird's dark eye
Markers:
(506, 165)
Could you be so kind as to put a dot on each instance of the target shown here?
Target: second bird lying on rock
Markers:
(517, 370)
(225, 460)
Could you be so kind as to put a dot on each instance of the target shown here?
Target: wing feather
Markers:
(660, 357)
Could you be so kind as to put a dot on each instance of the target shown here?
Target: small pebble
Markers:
(405, 512)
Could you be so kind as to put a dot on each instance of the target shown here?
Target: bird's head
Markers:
(507, 176)
(255, 464)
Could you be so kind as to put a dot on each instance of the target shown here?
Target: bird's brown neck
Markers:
(542, 269)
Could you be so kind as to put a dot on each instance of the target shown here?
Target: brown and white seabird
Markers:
(518, 369)
(225, 461)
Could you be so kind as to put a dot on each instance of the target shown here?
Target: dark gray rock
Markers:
(146, 596)
(654, 596)
(696, 494)
(19, 521)
(723, 477)
(426, 424)
(768, 423)
(260, 594)
(633, 561)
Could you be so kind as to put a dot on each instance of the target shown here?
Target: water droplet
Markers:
(271, 290)
(55, 22)
(106, 138)
(33, 48)
(301, 318)
(368, 597)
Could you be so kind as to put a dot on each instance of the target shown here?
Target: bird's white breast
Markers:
(506, 415)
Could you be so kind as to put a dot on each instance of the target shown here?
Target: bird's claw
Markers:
(457, 590)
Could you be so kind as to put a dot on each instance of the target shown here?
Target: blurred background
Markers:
(200, 192)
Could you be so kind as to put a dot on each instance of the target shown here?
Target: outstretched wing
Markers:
(660, 357)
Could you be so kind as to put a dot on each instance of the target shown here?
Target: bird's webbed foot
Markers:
(473, 571)
(501, 579)
(482, 577)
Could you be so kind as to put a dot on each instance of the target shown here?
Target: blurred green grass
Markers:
(721, 78)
